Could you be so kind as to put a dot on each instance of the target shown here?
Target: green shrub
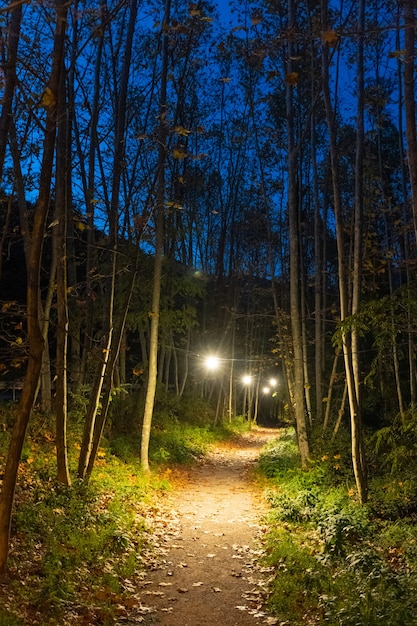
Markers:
(340, 529)
(299, 508)
(393, 498)
(366, 592)
(297, 583)
(280, 455)
(395, 446)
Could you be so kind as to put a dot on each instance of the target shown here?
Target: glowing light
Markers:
(247, 379)
(212, 362)
(273, 382)
(266, 390)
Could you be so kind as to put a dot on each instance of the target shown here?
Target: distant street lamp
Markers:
(212, 363)
(247, 396)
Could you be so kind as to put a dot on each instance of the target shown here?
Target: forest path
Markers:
(206, 571)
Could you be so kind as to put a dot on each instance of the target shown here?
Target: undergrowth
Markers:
(333, 561)
(78, 554)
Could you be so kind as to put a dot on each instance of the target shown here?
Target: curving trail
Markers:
(207, 572)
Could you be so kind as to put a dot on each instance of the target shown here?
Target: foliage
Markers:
(75, 547)
(335, 562)
(183, 428)
(394, 448)
(296, 582)
(280, 455)
(81, 550)
(396, 445)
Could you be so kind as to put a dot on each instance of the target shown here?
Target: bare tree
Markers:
(8, 60)
(36, 343)
(105, 370)
(409, 101)
(294, 236)
(357, 456)
(159, 245)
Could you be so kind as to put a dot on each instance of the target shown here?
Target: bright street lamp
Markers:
(212, 363)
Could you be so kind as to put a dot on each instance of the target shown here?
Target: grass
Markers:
(78, 554)
(335, 562)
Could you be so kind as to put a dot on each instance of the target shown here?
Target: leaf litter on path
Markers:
(207, 534)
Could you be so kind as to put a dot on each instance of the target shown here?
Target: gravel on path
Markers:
(207, 571)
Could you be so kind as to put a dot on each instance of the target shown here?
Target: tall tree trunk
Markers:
(89, 195)
(405, 215)
(294, 236)
(108, 376)
(60, 244)
(358, 452)
(159, 245)
(35, 338)
(342, 271)
(8, 65)
(332, 381)
(318, 279)
(409, 101)
(105, 372)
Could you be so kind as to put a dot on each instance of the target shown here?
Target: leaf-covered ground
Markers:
(109, 556)
(208, 571)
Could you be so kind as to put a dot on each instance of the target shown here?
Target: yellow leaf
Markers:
(193, 10)
(80, 226)
(292, 78)
(182, 131)
(397, 53)
(272, 74)
(256, 18)
(48, 98)
(173, 205)
(179, 154)
(330, 37)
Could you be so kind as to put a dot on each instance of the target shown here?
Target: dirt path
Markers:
(207, 572)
